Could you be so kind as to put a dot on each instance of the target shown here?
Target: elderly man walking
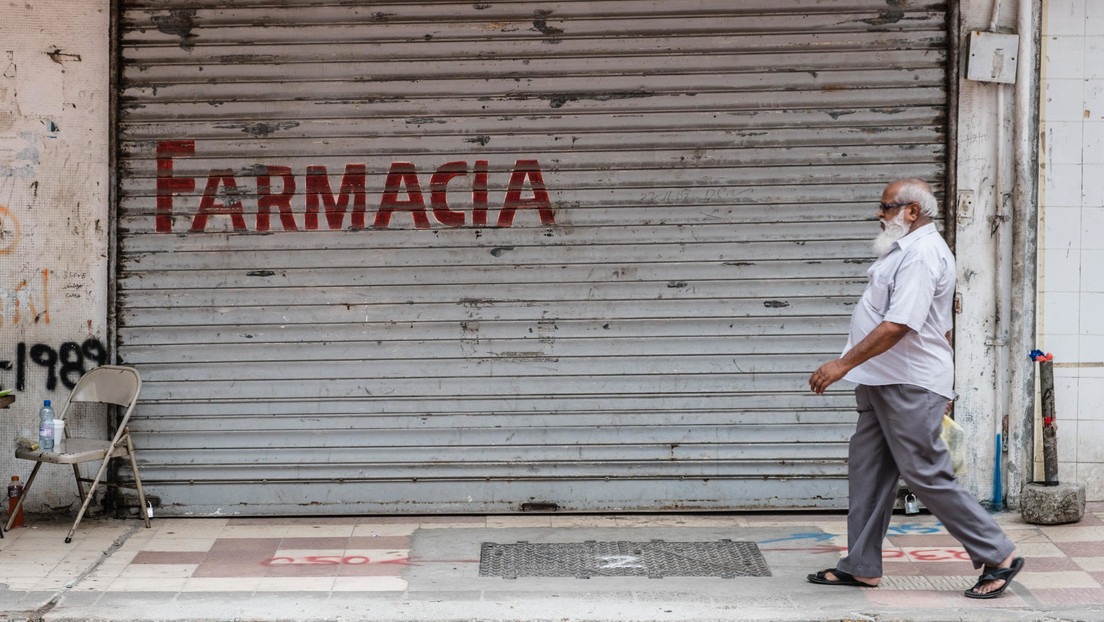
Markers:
(899, 354)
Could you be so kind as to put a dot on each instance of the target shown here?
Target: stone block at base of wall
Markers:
(1052, 505)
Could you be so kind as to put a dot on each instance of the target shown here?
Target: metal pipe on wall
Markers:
(1000, 226)
(1024, 229)
(1013, 224)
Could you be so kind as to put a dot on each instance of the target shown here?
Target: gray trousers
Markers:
(898, 434)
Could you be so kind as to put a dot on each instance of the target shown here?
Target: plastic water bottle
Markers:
(46, 427)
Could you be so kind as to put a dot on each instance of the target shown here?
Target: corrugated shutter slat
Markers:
(640, 342)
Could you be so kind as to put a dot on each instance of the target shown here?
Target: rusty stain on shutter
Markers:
(476, 257)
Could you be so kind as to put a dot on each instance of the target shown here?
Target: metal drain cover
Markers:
(655, 559)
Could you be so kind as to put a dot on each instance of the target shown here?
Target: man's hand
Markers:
(883, 337)
(825, 375)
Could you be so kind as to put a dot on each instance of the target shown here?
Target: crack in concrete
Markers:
(39, 614)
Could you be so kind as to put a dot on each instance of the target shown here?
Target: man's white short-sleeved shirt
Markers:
(912, 284)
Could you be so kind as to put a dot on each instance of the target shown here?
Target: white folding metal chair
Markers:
(107, 384)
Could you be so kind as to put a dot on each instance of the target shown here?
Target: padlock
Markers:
(912, 504)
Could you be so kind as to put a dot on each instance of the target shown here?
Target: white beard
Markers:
(894, 230)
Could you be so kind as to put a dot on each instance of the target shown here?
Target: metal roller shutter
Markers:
(482, 256)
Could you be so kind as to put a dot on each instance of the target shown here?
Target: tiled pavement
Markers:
(181, 568)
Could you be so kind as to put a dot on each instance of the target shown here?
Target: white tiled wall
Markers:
(1071, 249)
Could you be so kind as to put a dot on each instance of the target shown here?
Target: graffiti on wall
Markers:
(64, 364)
(9, 231)
(276, 187)
(26, 300)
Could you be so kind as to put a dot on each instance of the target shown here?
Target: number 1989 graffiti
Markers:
(67, 363)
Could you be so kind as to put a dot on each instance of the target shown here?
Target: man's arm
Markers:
(950, 403)
(882, 338)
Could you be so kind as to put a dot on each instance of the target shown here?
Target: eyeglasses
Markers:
(885, 207)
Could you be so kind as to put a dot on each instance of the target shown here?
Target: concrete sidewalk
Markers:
(428, 568)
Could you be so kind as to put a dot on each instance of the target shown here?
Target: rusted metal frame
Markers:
(950, 199)
(114, 183)
(113, 217)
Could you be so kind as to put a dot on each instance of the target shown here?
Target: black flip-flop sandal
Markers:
(993, 573)
(842, 578)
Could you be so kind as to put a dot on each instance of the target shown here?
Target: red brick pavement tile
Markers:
(168, 557)
(905, 567)
(245, 545)
(322, 543)
(360, 543)
(223, 571)
(242, 550)
(1081, 549)
(1098, 577)
(238, 557)
(1050, 564)
(901, 569)
(1090, 520)
(1069, 596)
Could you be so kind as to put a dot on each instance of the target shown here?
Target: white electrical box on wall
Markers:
(992, 57)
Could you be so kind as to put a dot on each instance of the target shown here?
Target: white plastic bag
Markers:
(955, 438)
